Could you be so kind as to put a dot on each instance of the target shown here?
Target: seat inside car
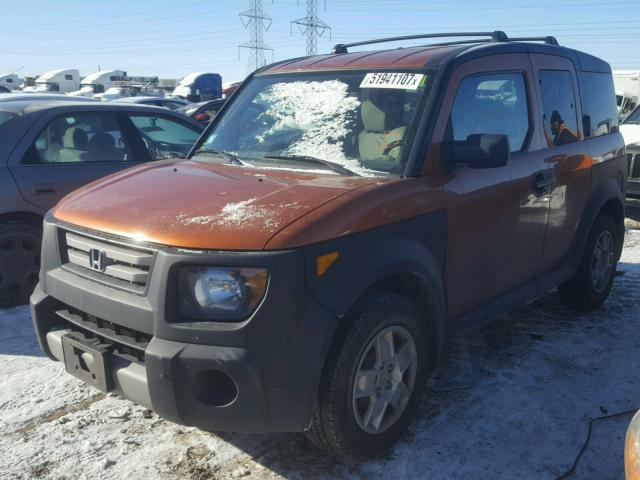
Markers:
(102, 148)
(382, 133)
(75, 144)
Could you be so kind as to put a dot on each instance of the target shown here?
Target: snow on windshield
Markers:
(323, 110)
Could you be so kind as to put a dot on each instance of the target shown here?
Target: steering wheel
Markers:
(391, 146)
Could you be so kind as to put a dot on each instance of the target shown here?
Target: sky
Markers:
(172, 38)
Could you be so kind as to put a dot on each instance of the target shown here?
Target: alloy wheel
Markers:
(384, 379)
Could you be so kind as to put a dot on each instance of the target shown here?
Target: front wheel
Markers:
(591, 284)
(19, 262)
(374, 378)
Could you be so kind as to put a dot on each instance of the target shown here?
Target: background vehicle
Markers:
(197, 87)
(56, 81)
(127, 86)
(229, 87)
(172, 103)
(627, 85)
(343, 216)
(630, 129)
(9, 83)
(39, 97)
(203, 111)
(98, 82)
(48, 149)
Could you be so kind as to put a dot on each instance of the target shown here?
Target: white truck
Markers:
(627, 85)
(98, 82)
(126, 86)
(9, 83)
(56, 81)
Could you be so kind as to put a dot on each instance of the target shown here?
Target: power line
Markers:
(311, 26)
(257, 22)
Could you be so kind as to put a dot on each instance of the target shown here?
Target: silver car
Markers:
(48, 149)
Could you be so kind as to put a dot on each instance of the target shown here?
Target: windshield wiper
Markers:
(336, 167)
(228, 156)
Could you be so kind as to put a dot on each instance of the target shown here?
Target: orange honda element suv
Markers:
(341, 217)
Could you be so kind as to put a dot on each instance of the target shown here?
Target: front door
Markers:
(496, 217)
(69, 151)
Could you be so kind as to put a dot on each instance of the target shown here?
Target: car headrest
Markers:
(373, 118)
(75, 138)
(102, 142)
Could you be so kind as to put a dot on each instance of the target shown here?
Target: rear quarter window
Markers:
(599, 112)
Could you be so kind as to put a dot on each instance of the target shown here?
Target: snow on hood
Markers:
(197, 205)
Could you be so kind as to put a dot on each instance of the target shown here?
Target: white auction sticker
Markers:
(399, 80)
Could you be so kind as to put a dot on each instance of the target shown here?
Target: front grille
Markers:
(633, 162)
(107, 261)
(125, 341)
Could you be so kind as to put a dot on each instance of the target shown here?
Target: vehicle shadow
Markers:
(17, 336)
(514, 396)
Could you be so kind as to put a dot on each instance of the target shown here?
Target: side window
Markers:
(491, 104)
(68, 77)
(79, 137)
(163, 137)
(558, 107)
(599, 112)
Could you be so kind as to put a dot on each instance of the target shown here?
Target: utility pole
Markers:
(311, 26)
(257, 22)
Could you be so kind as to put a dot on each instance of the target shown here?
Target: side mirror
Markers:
(479, 151)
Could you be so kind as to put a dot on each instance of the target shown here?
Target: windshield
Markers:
(360, 121)
(633, 118)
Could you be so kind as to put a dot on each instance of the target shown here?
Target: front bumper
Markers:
(274, 359)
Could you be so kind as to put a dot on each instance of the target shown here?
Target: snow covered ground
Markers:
(512, 400)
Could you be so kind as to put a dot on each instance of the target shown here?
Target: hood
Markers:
(630, 133)
(204, 206)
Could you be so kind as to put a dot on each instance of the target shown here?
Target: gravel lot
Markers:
(512, 400)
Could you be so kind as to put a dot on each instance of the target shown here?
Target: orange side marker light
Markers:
(323, 262)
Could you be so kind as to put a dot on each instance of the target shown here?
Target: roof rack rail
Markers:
(495, 36)
(549, 40)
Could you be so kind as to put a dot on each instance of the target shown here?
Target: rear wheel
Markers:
(19, 262)
(374, 378)
(590, 286)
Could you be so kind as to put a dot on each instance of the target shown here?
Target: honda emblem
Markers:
(97, 260)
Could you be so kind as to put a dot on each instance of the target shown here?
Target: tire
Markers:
(340, 424)
(19, 262)
(591, 284)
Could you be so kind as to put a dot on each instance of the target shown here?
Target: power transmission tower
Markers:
(257, 22)
(311, 26)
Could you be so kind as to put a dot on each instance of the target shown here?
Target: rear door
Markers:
(566, 153)
(69, 150)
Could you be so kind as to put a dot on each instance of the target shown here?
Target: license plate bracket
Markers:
(88, 360)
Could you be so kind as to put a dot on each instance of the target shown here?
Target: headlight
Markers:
(220, 293)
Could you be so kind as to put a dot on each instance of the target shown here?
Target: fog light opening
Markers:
(213, 387)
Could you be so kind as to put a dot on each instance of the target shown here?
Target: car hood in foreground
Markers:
(206, 206)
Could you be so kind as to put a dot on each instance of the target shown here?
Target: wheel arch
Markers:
(30, 218)
(608, 198)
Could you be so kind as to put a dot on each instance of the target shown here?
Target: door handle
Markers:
(40, 188)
